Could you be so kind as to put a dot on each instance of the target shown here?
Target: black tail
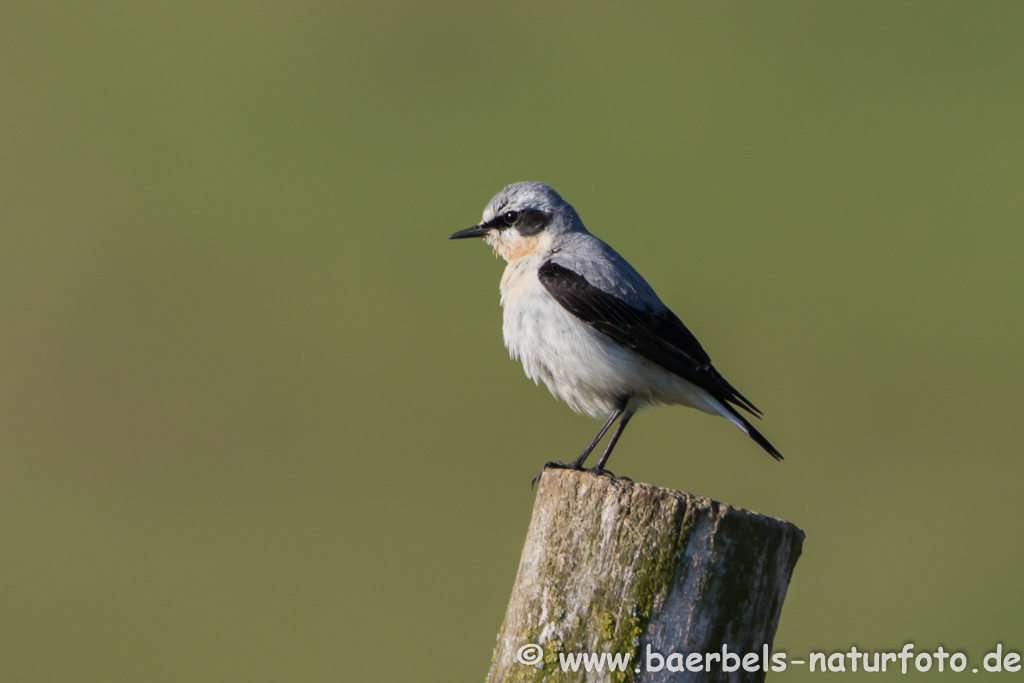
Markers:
(754, 434)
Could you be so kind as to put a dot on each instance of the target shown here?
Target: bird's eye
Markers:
(510, 218)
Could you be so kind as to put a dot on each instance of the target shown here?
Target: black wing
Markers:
(660, 337)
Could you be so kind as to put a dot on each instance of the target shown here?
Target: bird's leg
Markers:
(599, 469)
(577, 464)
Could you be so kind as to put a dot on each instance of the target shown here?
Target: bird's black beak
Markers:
(475, 231)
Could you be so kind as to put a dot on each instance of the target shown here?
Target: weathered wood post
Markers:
(611, 566)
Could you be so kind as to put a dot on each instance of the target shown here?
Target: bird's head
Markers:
(522, 219)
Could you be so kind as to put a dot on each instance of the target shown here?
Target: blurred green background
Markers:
(258, 423)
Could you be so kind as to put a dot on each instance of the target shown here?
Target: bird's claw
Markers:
(601, 472)
(554, 464)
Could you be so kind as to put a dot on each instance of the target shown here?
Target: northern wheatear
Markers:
(583, 321)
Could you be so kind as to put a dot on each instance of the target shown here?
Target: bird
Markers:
(584, 322)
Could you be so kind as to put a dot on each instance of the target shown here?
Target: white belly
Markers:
(578, 364)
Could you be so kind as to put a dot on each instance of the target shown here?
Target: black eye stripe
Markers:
(528, 222)
(532, 221)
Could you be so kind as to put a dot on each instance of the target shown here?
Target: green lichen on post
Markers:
(607, 623)
(736, 592)
(553, 648)
(652, 580)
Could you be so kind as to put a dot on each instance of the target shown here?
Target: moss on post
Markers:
(610, 566)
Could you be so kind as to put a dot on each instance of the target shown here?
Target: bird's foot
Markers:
(601, 472)
(554, 464)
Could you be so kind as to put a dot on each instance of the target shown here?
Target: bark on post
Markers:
(618, 567)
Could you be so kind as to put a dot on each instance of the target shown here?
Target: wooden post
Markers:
(611, 566)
